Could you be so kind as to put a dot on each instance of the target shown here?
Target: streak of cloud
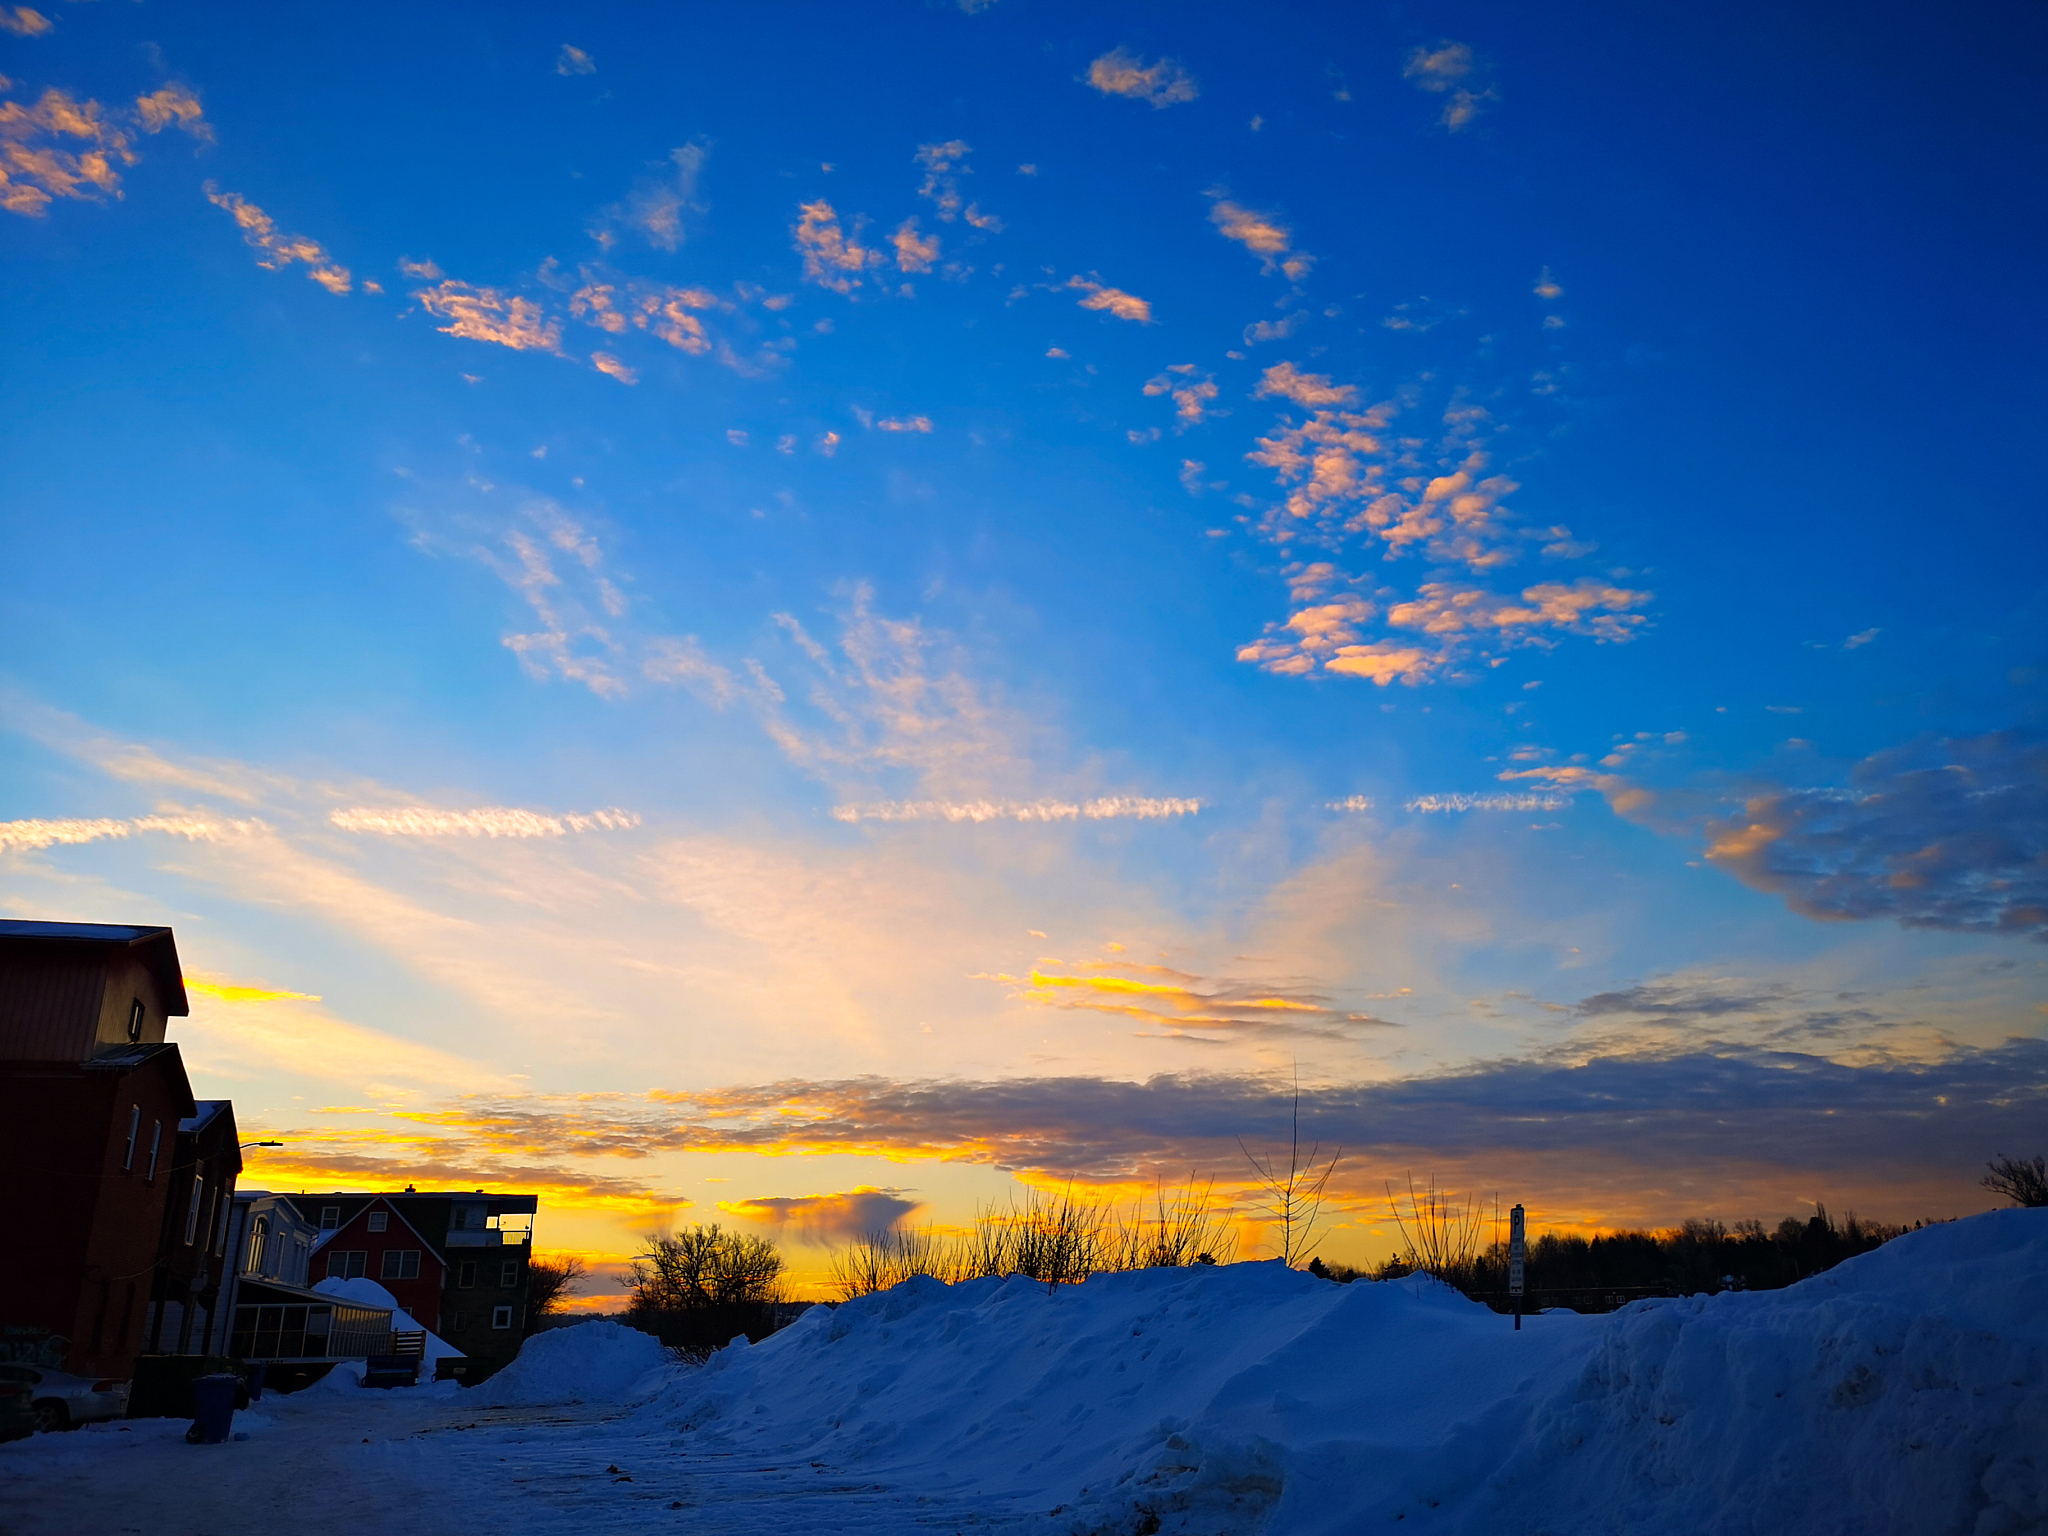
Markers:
(484, 821)
(1104, 808)
(277, 250)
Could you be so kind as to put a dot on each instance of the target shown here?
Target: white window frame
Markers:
(192, 1209)
(384, 1264)
(501, 1317)
(379, 1221)
(136, 1014)
(330, 1217)
(156, 1145)
(508, 1274)
(134, 1135)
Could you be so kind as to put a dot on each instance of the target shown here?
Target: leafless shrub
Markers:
(878, 1260)
(2019, 1180)
(1183, 1228)
(1439, 1234)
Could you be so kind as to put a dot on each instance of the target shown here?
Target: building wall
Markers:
(422, 1295)
(82, 1231)
(51, 1001)
(128, 979)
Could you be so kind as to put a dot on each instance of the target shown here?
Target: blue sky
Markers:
(980, 501)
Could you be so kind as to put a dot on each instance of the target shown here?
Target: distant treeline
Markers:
(1597, 1273)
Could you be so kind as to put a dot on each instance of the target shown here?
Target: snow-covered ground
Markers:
(1905, 1391)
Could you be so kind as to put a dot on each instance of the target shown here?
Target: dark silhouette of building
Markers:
(111, 1161)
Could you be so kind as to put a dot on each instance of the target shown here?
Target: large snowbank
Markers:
(368, 1293)
(583, 1362)
(1906, 1389)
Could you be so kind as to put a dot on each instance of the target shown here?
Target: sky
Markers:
(811, 617)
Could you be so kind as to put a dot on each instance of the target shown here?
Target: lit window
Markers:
(401, 1264)
(330, 1217)
(135, 1012)
(501, 1317)
(192, 1209)
(508, 1274)
(257, 1236)
(134, 1129)
(380, 1221)
(156, 1141)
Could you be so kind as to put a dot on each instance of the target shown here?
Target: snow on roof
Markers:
(207, 1110)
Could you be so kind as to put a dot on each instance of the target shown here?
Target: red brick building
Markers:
(92, 1099)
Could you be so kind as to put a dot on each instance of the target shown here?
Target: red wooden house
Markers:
(378, 1243)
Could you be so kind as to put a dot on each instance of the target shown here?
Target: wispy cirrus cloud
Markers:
(1180, 1006)
(1450, 70)
(38, 832)
(482, 821)
(574, 61)
(1102, 808)
(659, 203)
(496, 315)
(1432, 805)
(1164, 82)
(1097, 295)
(277, 250)
(944, 164)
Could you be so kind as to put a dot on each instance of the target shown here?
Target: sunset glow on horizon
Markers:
(813, 618)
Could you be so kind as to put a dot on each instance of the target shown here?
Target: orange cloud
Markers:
(1262, 235)
(1125, 306)
(173, 107)
(231, 992)
(1191, 396)
(605, 363)
(914, 254)
(832, 258)
(1287, 382)
(279, 250)
(23, 22)
(668, 313)
(35, 168)
(489, 314)
(1442, 69)
(1121, 73)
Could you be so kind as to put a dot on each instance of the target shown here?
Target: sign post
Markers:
(1518, 1250)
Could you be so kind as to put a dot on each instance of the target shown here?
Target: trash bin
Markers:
(215, 1396)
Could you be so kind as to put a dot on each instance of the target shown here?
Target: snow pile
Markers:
(368, 1293)
(584, 1362)
(1903, 1389)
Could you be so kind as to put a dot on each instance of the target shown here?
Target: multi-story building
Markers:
(110, 1155)
(456, 1260)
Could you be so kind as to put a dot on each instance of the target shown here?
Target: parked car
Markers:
(59, 1400)
(17, 1409)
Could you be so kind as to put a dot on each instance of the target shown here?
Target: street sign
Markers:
(1518, 1252)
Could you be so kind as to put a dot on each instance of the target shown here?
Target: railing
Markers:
(409, 1344)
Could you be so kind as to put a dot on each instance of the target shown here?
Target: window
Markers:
(508, 1274)
(501, 1317)
(380, 1221)
(347, 1264)
(465, 1274)
(156, 1141)
(258, 1235)
(135, 1012)
(401, 1264)
(461, 1322)
(134, 1129)
(224, 1202)
(330, 1217)
(192, 1209)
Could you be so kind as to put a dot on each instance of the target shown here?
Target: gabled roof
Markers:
(157, 947)
(329, 1233)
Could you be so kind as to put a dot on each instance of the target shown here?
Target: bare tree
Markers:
(548, 1284)
(2020, 1181)
(1294, 1195)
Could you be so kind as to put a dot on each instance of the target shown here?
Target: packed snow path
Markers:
(1906, 1391)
